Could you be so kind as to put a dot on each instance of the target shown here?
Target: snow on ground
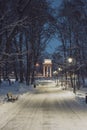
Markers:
(16, 88)
(81, 95)
(46, 107)
(20, 88)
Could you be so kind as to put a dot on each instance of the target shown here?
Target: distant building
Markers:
(47, 68)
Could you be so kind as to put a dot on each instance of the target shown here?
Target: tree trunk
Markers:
(15, 72)
(21, 58)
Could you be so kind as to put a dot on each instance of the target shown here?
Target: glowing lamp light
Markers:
(60, 69)
(70, 60)
(37, 64)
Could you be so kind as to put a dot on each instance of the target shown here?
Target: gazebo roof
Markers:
(47, 62)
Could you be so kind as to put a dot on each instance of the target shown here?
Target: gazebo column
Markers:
(50, 71)
(47, 71)
(44, 71)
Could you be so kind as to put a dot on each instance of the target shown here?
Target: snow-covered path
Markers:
(47, 108)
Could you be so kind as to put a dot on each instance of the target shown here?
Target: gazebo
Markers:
(47, 68)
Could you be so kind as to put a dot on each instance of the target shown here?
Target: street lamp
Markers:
(37, 69)
(55, 73)
(71, 61)
(60, 69)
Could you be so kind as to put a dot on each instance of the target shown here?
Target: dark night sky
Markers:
(53, 43)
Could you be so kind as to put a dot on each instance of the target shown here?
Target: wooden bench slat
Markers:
(11, 97)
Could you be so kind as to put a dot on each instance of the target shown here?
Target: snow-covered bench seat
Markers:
(11, 97)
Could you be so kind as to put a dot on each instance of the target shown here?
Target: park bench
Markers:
(11, 97)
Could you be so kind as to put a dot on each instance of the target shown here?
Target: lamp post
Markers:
(37, 71)
(60, 69)
(55, 73)
(71, 61)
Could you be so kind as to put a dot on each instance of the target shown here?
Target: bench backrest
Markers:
(9, 95)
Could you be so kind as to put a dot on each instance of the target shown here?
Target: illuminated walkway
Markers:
(47, 108)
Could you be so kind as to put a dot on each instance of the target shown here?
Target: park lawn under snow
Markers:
(15, 88)
(45, 107)
(21, 88)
